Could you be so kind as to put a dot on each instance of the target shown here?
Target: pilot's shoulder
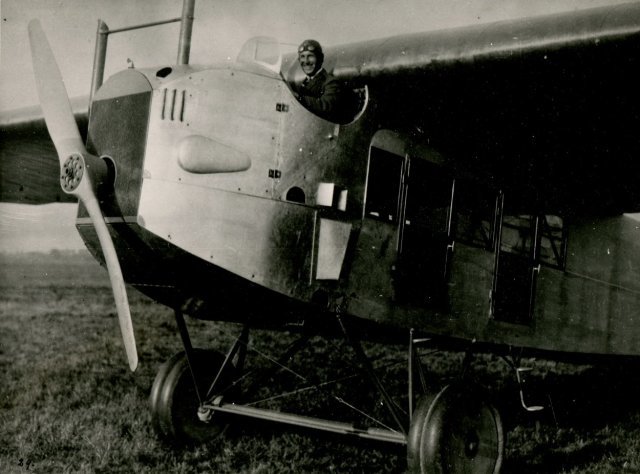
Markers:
(331, 83)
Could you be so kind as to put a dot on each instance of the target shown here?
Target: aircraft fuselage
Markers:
(230, 195)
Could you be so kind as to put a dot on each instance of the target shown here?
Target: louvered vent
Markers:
(173, 104)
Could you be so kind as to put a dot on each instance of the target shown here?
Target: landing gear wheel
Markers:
(455, 431)
(174, 402)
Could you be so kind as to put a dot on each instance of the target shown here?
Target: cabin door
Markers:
(408, 210)
(516, 269)
(425, 242)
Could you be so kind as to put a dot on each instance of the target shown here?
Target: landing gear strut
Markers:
(456, 430)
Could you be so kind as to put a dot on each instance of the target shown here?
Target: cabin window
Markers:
(475, 215)
(428, 197)
(553, 243)
(519, 232)
(518, 235)
(525, 243)
(383, 185)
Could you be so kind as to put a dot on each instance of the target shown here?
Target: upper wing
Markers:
(29, 166)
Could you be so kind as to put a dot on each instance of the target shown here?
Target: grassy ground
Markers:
(69, 404)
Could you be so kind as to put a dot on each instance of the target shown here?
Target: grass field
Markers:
(69, 404)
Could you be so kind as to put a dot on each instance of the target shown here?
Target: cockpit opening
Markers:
(328, 97)
(325, 95)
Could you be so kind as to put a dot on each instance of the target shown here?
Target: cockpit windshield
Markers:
(264, 51)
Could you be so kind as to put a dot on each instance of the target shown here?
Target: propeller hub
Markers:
(72, 172)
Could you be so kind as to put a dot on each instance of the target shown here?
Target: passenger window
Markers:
(476, 220)
(428, 197)
(553, 242)
(525, 243)
(519, 232)
(474, 215)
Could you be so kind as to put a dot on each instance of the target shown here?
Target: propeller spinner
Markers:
(81, 172)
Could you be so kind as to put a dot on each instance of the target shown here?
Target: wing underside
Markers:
(549, 106)
(506, 40)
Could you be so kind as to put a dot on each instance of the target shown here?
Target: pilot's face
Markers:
(308, 62)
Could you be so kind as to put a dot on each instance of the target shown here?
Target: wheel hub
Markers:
(472, 444)
(205, 414)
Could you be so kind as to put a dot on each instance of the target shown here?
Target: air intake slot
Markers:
(173, 102)
(164, 72)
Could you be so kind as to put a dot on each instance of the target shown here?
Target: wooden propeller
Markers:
(81, 173)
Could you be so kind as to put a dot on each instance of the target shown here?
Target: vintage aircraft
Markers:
(470, 190)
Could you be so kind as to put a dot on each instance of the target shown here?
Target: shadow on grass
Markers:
(547, 459)
(574, 431)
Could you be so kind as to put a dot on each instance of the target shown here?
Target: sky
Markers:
(220, 29)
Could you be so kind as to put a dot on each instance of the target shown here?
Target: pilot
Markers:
(319, 92)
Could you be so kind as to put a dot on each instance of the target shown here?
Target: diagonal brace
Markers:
(368, 369)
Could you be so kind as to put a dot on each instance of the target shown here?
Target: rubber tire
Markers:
(455, 431)
(156, 390)
(174, 403)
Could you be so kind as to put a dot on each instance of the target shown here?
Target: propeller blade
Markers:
(115, 274)
(81, 173)
(53, 96)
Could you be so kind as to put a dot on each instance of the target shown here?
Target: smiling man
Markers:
(319, 92)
